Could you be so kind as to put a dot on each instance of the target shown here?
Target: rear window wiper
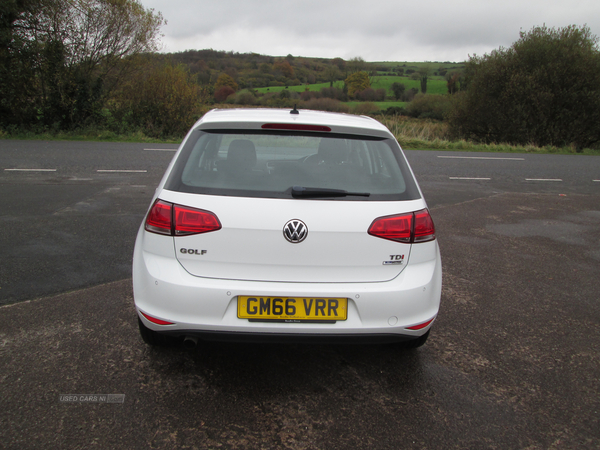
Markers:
(304, 192)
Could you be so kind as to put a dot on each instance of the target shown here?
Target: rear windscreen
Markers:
(271, 164)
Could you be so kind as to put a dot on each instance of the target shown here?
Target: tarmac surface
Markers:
(512, 362)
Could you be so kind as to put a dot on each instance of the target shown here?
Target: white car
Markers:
(279, 225)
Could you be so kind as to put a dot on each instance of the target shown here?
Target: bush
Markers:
(245, 98)
(429, 106)
(161, 101)
(308, 95)
(333, 92)
(398, 90)
(365, 108)
(274, 100)
(223, 92)
(409, 95)
(394, 111)
(325, 104)
(367, 95)
(544, 89)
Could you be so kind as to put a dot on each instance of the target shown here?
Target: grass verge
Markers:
(412, 134)
(86, 135)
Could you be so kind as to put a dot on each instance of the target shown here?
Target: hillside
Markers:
(253, 71)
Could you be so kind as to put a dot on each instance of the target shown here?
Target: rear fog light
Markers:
(421, 325)
(155, 320)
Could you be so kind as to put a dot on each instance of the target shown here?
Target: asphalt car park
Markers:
(513, 362)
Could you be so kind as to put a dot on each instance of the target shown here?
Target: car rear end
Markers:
(271, 225)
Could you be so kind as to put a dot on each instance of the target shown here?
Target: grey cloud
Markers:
(426, 30)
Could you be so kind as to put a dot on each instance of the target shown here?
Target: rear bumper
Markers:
(289, 338)
(208, 307)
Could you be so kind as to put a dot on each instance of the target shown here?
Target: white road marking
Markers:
(481, 157)
(160, 149)
(120, 171)
(30, 170)
(468, 178)
(543, 179)
(597, 181)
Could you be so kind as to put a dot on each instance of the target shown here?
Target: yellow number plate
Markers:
(292, 309)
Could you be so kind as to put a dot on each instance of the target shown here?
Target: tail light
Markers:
(176, 220)
(408, 228)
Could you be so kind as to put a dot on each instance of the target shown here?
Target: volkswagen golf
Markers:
(278, 225)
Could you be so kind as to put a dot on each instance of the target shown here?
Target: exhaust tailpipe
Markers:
(190, 342)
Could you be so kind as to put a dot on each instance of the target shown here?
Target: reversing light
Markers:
(155, 320)
(424, 229)
(159, 218)
(176, 220)
(294, 127)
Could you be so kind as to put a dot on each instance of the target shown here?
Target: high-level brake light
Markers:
(294, 127)
(408, 228)
(176, 220)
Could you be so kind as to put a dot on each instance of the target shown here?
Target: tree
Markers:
(285, 68)
(339, 63)
(17, 64)
(332, 73)
(223, 92)
(454, 82)
(544, 89)
(423, 75)
(72, 53)
(225, 80)
(162, 99)
(357, 64)
(357, 82)
(398, 89)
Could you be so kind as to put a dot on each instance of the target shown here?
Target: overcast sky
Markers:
(382, 30)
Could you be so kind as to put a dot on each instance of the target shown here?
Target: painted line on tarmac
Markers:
(543, 179)
(468, 178)
(120, 171)
(30, 170)
(160, 149)
(481, 157)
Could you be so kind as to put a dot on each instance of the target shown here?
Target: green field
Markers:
(433, 66)
(382, 105)
(435, 85)
(300, 88)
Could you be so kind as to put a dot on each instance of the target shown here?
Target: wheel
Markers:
(153, 338)
(415, 343)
